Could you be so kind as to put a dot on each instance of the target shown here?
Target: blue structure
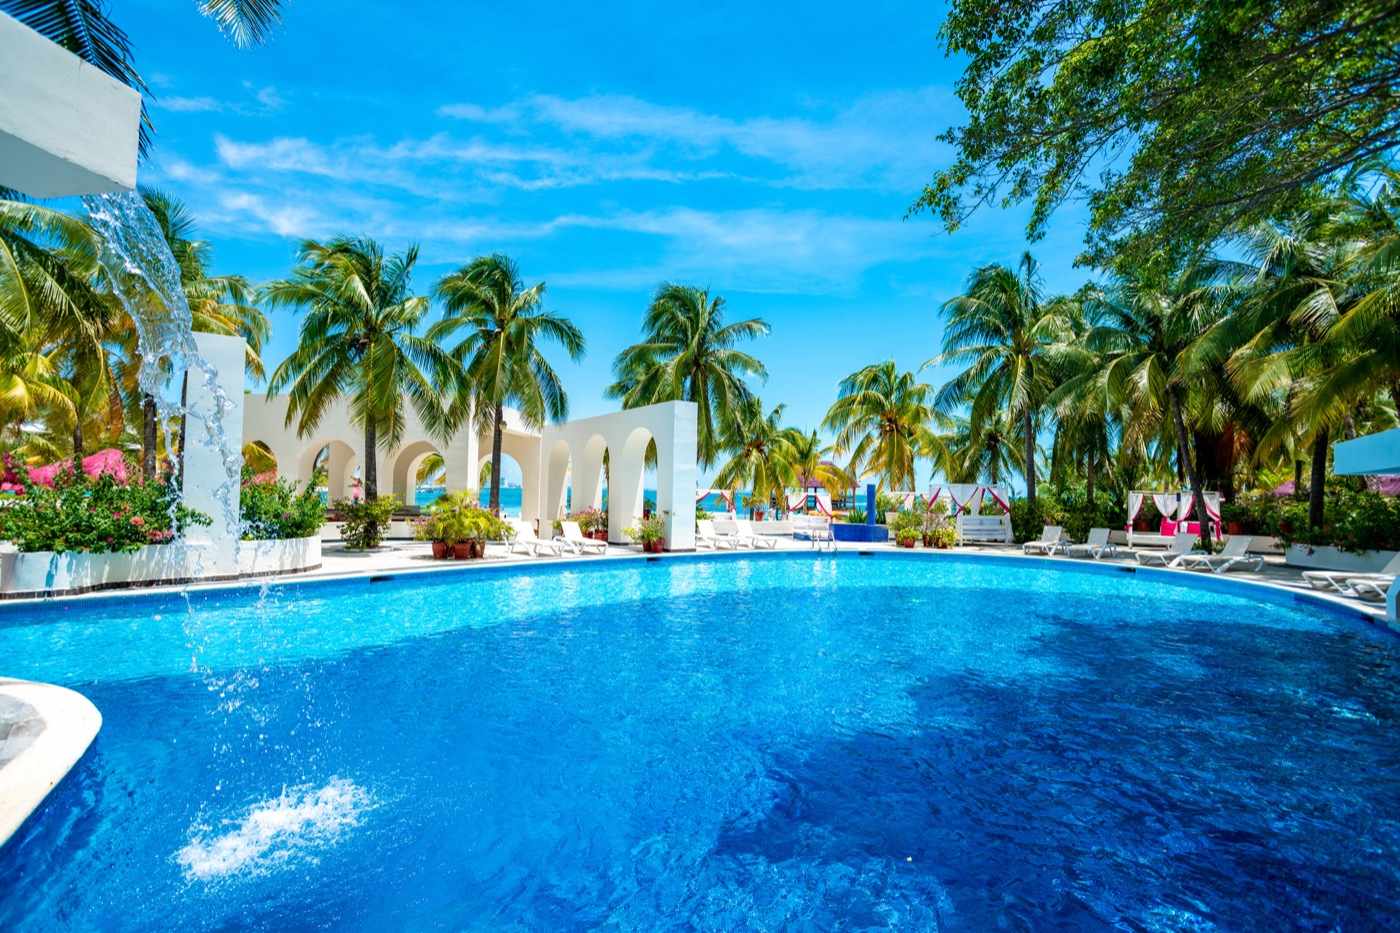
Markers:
(868, 533)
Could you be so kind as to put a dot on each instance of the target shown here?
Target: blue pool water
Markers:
(775, 742)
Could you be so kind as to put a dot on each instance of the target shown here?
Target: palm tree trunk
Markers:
(1297, 478)
(371, 463)
(1188, 463)
(78, 444)
(1317, 481)
(148, 438)
(1089, 482)
(497, 429)
(1030, 459)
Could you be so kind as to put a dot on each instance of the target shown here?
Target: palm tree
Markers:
(881, 417)
(688, 352)
(760, 451)
(218, 305)
(810, 462)
(1005, 332)
(1143, 329)
(502, 327)
(357, 339)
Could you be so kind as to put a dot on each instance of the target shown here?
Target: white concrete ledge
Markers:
(65, 127)
(1326, 557)
(62, 724)
(49, 573)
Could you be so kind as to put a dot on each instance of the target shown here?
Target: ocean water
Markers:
(769, 742)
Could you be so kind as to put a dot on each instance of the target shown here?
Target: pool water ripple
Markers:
(764, 743)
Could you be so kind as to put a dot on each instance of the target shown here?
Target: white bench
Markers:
(995, 528)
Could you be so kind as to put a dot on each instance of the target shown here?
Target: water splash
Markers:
(145, 276)
(276, 831)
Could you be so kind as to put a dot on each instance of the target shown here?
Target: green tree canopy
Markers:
(1178, 121)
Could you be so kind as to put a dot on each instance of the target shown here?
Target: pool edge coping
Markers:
(71, 723)
(1335, 603)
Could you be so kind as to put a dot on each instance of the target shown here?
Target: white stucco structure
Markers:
(573, 454)
(65, 127)
(550, 461)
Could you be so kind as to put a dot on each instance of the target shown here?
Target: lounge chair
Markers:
(526, 542)
(1095, 546)
(1234, 554)
(1338, 580)
(1047, 543)
(1370, 587)
(705, 536)
(1182, 542)
(816, 530)
(751, 538)
(573, 538)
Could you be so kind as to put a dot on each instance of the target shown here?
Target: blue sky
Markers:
(769, 154)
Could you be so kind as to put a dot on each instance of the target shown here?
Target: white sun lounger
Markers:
(1181, 544)
(526, 541)
(705, 536)
(1095, 546)
(1048, 542)
(1234, 554)
(1339, 580)
(574, 539)
(751, 538)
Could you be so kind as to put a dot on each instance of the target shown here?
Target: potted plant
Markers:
(934, 518)
(757, 506)
(429, 528)
(651, 532)
(906, 527)
(945, 537)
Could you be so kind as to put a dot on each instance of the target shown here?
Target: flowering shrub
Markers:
(590, 519)
(364, 522)
(95, 515)
(274, 509)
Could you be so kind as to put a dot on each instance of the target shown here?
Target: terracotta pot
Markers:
(653, 547)
(461, 550)
(1234, 528)
(905, 542)
(928, 540)
(940, 545)
(439, 550)
(599, 534)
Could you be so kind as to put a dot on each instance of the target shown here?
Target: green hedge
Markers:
(94, 516)
(277, 510)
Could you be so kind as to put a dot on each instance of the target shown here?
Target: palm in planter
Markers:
(651, 532)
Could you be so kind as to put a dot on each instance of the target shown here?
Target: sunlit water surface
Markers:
(777, 742)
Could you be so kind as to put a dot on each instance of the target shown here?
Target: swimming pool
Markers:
(773, 741)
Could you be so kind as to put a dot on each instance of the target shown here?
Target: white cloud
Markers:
(189, 104)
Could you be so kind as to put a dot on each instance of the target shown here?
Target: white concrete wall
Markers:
(66, 128)
(265, 420)
(212, 465)
(576, 449)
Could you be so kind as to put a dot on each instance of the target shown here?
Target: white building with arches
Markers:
(551, 462)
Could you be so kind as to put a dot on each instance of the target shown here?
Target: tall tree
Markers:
(760, 451)
(1179, 121)
(1005, 333)
(500, 327)
(881, 417)
(689, 352)
(1143, 329)
(358, 339)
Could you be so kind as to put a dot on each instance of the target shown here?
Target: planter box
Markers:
(257, 558)
(1323, 557)
(41, 573)
(44, 572)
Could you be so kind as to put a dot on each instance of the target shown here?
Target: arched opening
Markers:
(513, 480)
(328, 466)
(626, 482)
(417, 474)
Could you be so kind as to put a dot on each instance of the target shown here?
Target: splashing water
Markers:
(276, 831)
(146, 279)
